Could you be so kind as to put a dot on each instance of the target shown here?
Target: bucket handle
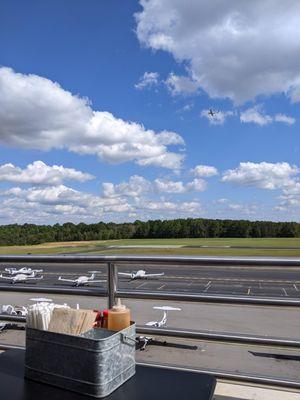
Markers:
(128, 340)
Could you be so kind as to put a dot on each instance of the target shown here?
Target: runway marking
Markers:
(297, 290)
(142, 284)
(208, 284)
(207, 287)
(249, 290)
(162, 286)
(166, 277)
(284, 291)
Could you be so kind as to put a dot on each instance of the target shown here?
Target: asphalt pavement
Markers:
(236, 280)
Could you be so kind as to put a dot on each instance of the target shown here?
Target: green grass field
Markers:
(248, 247)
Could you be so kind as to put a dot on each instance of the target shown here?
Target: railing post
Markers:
(112, 283)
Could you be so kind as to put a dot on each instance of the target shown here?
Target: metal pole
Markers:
(80, 291)
(169, 260)
(112, 283)
(11, 347)
(13, 318)
(219, 337)
(209, 298)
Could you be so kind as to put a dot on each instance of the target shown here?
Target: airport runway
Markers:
(236, 280)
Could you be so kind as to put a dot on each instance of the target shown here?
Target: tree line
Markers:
(28, 234)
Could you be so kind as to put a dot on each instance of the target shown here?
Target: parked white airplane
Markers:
(140, 274)
(14, 310)
(163, 321)
(21, 277)
(24, 270)
(81, 280)
(41, 300)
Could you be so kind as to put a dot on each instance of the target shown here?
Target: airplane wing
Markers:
(151, 323)
(10, 270)
(40, 277)
(6, 277)
(66, 280)
(124, 274)
(154, 274)
(166, 308)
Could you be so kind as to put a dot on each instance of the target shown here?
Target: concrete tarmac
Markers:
(255, 320)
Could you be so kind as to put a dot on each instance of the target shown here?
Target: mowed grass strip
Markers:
(204, 252)
(103, 247)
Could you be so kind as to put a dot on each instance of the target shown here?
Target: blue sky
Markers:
(104, 110)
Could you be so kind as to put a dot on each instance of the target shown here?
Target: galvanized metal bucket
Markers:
(95, 363)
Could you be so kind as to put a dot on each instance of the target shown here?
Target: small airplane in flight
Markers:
(24, 270)
(22, 277)
(81, 280)
(212, 112)
(140, 274)
(163, 321)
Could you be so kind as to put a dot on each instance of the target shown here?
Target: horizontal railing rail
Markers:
(206, 298)
(234, 261)
(197, 335)
(167, 296)
(54, 290)
(112, 292)
(219, 336)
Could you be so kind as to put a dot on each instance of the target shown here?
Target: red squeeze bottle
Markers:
(104, 319)
(97, 323)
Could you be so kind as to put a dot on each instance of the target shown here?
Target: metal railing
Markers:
(112, 292)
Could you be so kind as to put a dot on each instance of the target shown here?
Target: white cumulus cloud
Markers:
(36, 113)
(39, 173)
(138, 186)
(148, 80)
(285, 119)
(197, 185)
(177, 84)
(204, 171)
(167, 186)
(235, 49)
(257, 116)
(61, 203)
(135, 187)
(262, 175)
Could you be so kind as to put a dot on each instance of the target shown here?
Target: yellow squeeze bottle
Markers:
(118, 317)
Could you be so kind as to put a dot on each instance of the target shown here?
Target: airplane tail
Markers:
(92, 276)
(10, 270)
